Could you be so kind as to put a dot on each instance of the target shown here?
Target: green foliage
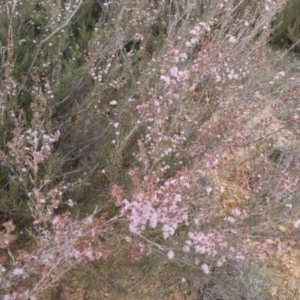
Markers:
(287, 26)
(4, 172)
(242, 6)
(83, 27)
(13, 203)
(6, 130)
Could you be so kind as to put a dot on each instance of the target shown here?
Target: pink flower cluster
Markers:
(157, 203)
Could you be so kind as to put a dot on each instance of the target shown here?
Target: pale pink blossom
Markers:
(171, 254)
(208, 190)
(236, 212)
(70, 203)
(174, 72)
(221, 261)
(232, 39)
(205, 268)
(194, 32)
(166, 79)
(230, 219)
(183, 56)
(296, 224)
(18, 272)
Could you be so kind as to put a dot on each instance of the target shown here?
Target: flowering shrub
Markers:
(166, 117)
(60, 241)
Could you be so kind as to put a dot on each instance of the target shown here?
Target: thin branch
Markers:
(63, 25)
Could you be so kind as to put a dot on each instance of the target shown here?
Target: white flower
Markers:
(193, 31)
(205, 268)
(113, 103)
(70, 203)
(166, 79)
(188, 44)
(236, 212)
(208, 190)
(183, 56)
(230, 219)
(18, 272)
(174, 71)
(127, 239)
(2, 269)
(170, 254)
(218, 78)
(232, 39)
(296, 224)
